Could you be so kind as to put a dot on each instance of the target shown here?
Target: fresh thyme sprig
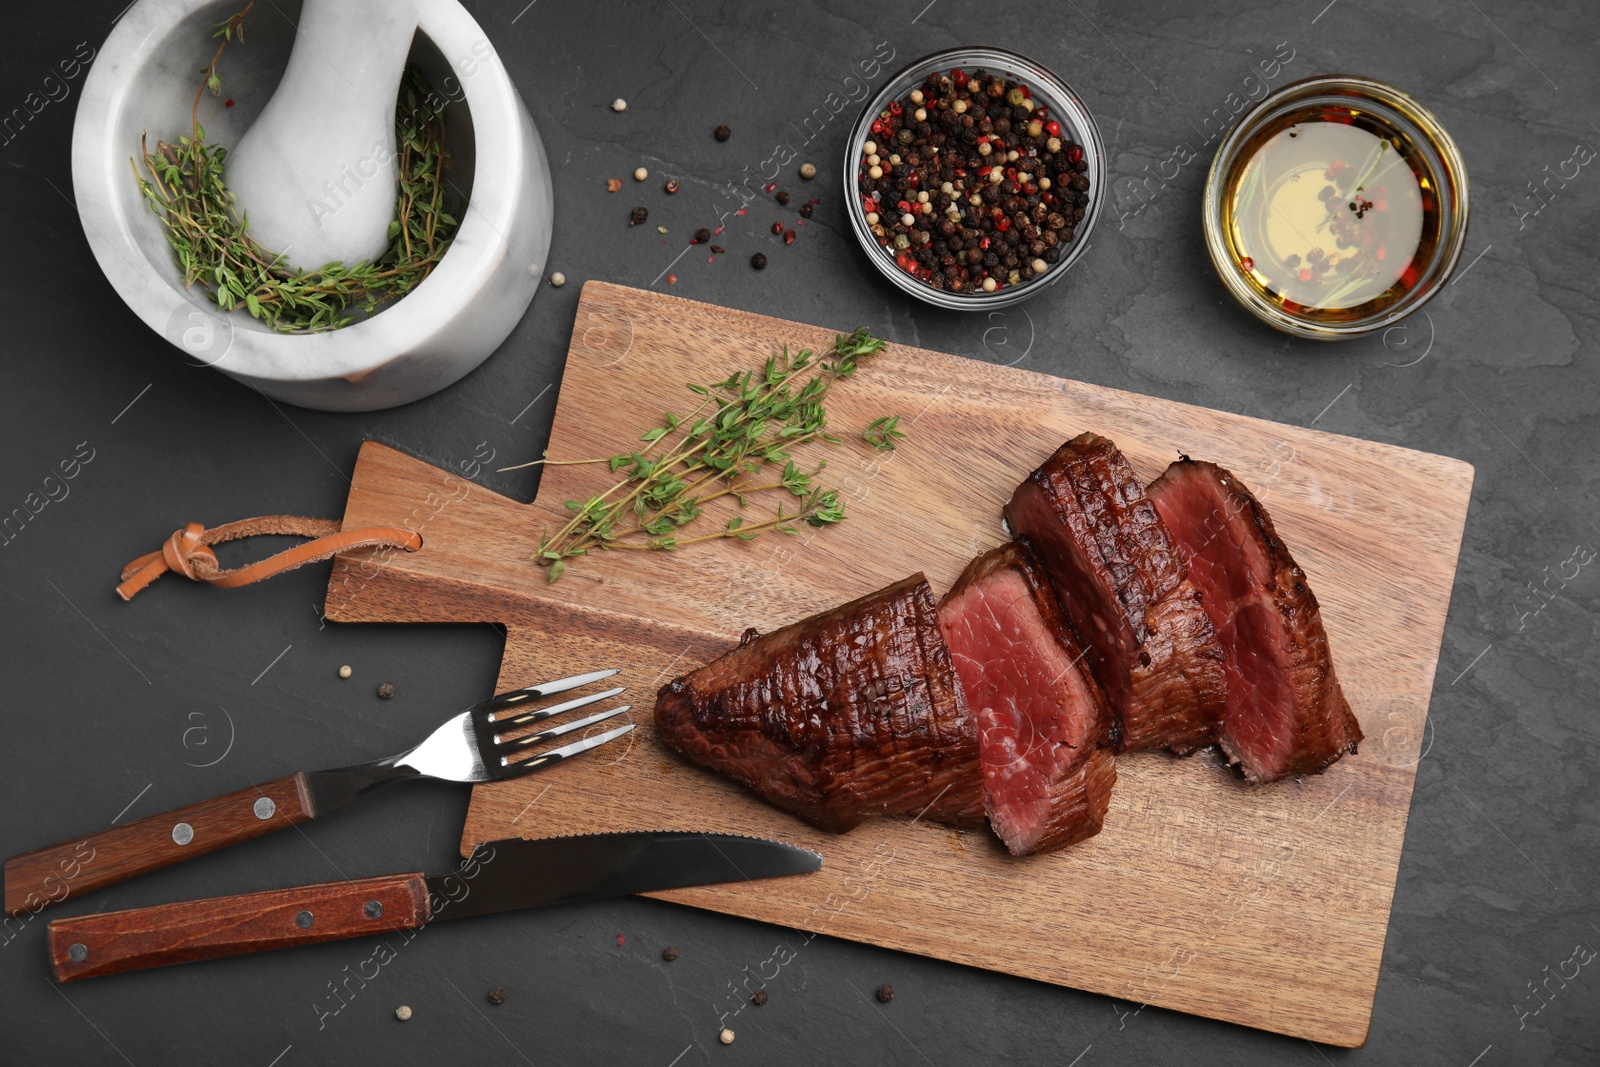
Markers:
(213, 246)
(742, 427)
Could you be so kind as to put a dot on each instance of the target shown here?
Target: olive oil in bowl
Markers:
(1335, 207)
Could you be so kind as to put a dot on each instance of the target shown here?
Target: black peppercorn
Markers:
(385, 690)
(669, 954)
(885, 993)
(702, 235)
(637, 216)
(806, 209)
(782, 197)
(497, 995)
(758, 261)
(722, 133)
(760, 998)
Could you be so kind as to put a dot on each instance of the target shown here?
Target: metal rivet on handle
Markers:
(265, 808)
(374, 909)
(182, 833)
(304, 920)
(78, 952)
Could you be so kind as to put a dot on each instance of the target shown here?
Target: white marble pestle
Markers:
(315, 173)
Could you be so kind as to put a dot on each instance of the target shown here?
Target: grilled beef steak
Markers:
(1127, 593)
(1043, 723)
(852, 713)
(1286, 714)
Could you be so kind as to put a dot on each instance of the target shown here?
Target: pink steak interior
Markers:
(1235, 580)
(1033, 709)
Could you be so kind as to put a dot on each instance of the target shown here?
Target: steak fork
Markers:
(474, 746)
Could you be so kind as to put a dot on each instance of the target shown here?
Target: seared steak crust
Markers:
(1286, 712)
(1043, 723)
(1127, 592)
(852, 713)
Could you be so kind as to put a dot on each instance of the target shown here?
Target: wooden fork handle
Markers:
(117, 941)
(50, 875)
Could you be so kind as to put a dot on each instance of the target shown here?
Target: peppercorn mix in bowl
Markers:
(1335, 207)
(975, 177)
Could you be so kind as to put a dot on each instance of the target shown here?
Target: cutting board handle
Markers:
(116, 941)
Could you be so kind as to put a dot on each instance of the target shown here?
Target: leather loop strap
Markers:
(188, 551)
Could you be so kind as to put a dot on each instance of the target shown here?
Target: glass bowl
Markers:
(1065, 107)
(1259, 216)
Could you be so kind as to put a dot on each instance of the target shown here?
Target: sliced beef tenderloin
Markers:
(1127, 593)
(849, 714)
(1286, 713)
(1043, 724)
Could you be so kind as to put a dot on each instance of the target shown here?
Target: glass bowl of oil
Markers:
(1335, 207)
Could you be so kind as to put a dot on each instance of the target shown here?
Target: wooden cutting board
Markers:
(1264, 906)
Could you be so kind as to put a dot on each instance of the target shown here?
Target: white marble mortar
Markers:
(143, 82)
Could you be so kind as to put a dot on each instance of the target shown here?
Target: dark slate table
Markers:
(116, 710)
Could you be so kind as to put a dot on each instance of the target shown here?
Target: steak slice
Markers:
(1286, 713)
(852, 713)
(1127, 593)
(1043, 723)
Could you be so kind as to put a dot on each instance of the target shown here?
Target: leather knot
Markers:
(185, 548)
(188, 551)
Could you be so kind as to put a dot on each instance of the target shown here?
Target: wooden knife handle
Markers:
(116, 941)
(50, 875)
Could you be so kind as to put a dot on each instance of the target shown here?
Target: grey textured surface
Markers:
(111, 706)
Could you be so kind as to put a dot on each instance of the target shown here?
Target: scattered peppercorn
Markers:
(345, 671)
(722, 133)
(726, 1037)
(777, 228)
(788, 237)
(782, 197)
(718, 249)
(403, 1012)
(669, 954)
(497, 995)
(637, 215)
(806, 209)
(672, 186)
(969, 182)
(640, 174)
(558, 279)
(619, 104)
(885, 993)
(758, 261)
(613, 185)
(702, 235)
(760, 998)
(385, 690)
(807, 171)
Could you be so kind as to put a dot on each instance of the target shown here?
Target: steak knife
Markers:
(499, 876)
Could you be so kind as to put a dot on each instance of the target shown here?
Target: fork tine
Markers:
(557, 709)
(543, 689)
(557, 731)
(556, 755)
